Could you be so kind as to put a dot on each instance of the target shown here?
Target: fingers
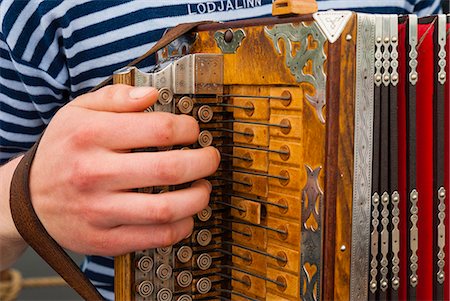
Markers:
(130, 238)
(139, 130)
(136, 170)
(152, 209)
(118, 98)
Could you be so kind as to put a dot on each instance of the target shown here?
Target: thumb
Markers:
(118, 98)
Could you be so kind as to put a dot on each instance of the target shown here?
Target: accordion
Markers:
(334, 179)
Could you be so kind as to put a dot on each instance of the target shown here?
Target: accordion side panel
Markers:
(345, 164)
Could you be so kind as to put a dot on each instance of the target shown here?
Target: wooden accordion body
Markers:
(333, 184)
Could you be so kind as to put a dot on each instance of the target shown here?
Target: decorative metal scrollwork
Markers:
(290, 33)
(311, 242)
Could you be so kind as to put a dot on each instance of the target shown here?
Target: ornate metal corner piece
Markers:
(229, 40)
(297, 60)
(332, 23)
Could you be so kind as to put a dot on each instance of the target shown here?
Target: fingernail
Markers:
(140, 92)
(218, 153)
(209, 184)
(189, 235)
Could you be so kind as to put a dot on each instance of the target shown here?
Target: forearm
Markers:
(11, 243)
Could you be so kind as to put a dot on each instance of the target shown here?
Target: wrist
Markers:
(11, 242)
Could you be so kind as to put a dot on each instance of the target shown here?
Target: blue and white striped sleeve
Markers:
(29, 94)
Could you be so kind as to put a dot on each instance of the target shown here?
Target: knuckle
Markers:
(81, 138)
(168, 236)
(83, 176)
(162, 214)
(165, 129)
(169, 171)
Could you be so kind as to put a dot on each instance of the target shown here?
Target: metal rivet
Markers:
(395, 282)
(394, 39)
(378, 39)
(413, 279)
(386, 77)
(343, 248)
(386, 39)
(413, 76)
(395, 77)
(373, 285)
(442, 76)
(228, 36)
(348, 37)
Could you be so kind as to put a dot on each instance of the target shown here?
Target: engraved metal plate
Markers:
(208, 70)
(311, 236)
(229, 40)
(365, 67)
(413, 54)
(332, 23)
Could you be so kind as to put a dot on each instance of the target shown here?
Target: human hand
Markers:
(83, 175)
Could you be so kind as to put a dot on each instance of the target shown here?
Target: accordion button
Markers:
(203, 285)
(204, 261)
(145, 264)
(205, 214)
(205, 138)
(205, 113)
(184, 297)
(184, 254)
(145, 288)
(165, 96)
(164, 294)
(164, 251)
(185, 104)
(184, 278)
(164, 272)
(204, 237)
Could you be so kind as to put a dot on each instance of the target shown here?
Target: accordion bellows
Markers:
(334, 179)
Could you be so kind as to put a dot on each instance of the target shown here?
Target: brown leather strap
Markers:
(34, 233)
(166, 39)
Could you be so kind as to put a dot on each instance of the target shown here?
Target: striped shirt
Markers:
(53, 51)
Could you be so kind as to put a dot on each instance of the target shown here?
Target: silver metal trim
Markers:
(441, 235)
(413, 238)
(374, 243)
(386, 40)
(384, 283)
(378, 52)
(442, 40)
(413, 54)
(395, 240)
(394, 51)
(365, 67)
(332, 23)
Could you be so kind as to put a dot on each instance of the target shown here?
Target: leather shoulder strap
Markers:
(34, 233)
(166, 39)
